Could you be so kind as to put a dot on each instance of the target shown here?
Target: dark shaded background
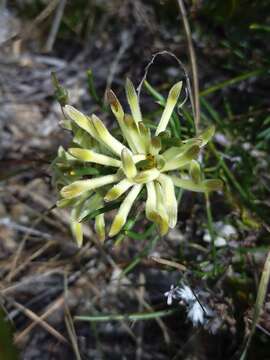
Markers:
(41, 269)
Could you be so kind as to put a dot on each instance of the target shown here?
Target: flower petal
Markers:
(151, 202)
(80, 119)
(138, 157)
(196, 314)
(91, 156)
(187, 184)
(170, 199)
(76, 227)
(77, 231)
(111, 142)
(121, 217)
(62, 203)
(185, 293)
(162, 218)
(145, 136)
(183, 159)
(160, 162)
(120, 116)
(169, 107)
(82, 138)
(129, 167)
(79, 187)
(212, 185)
(117, 190)
(116, 107)
(145, 176)
(100, 227)
(133, 136)
(195, 171)
(133, 101)
(207, 135)
(155, 145)
(205, 186)
(176, 151)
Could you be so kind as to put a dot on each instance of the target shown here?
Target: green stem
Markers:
(228, 172)
(232, 81)
(92, 89)
(211, 230)
(140, 236)
(132, 317)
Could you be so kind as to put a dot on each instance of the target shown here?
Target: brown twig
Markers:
(55, 25)
(193, 62)
(23, 242)
(126, 39)
(29, 31)
(169, 263)
(18, 268)
(56, 305)
(148, 307)
(69, 324)
(29, 313)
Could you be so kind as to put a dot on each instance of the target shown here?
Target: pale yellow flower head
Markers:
(116, 172)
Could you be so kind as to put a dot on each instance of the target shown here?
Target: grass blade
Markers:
(232, 81)
(259, 302)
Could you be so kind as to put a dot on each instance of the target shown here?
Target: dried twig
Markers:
(181, 65)
(55, 306)
(125, 43)
(69, 324)
(22, 244)
(30, 281)
(29, 31)
(192, 56)
(29, 313)
(33, 256)
(7, 222)
(55, 25)
(169, 263)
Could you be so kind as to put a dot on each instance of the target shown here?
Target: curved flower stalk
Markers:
(141, 160)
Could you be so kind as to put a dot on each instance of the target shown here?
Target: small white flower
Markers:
(186, 294)
(196, 314)
(171, 294)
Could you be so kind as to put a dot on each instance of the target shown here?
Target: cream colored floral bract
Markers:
(141, 160)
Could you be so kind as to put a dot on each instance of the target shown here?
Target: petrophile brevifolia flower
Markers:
(138, 163)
